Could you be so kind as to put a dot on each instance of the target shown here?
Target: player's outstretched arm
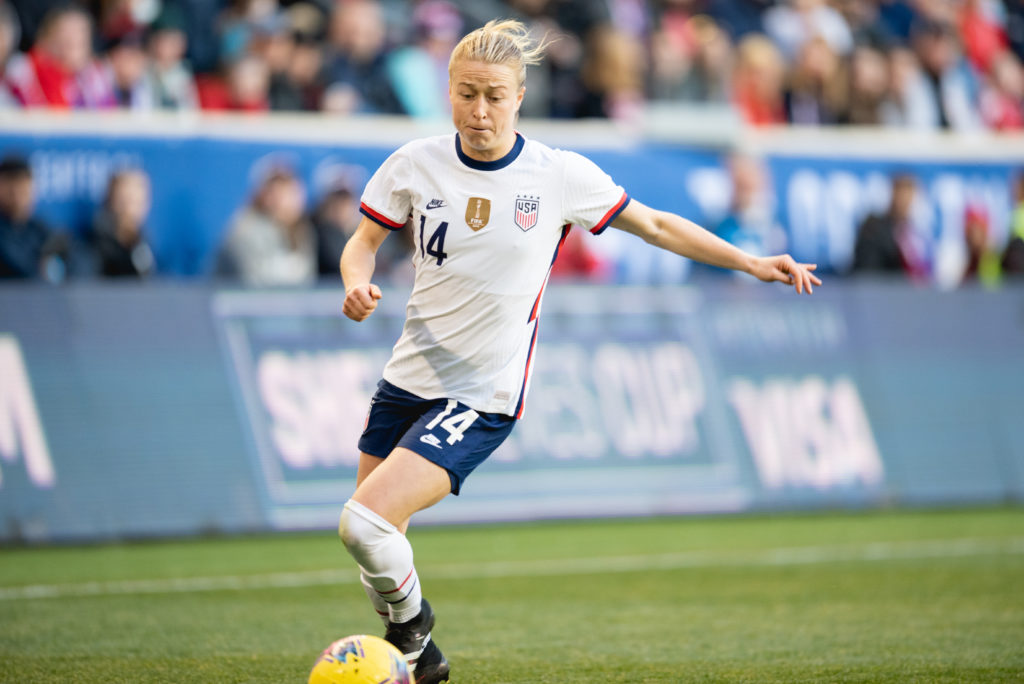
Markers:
(357, 263)
(681, 236)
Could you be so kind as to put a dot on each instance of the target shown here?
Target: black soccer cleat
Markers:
(412, 638)
(432, 667)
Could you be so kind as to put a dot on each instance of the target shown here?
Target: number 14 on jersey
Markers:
(435, 246)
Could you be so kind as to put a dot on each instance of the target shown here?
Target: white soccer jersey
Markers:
(486, 235)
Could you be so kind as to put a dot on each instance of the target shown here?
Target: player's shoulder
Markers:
(545, 160)
(556, 155)
(433, 146)
(538, 151)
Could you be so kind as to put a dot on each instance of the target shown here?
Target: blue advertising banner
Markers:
(128, 411)
(664, 401)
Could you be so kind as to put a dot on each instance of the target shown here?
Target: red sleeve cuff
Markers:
(379, 218)
(610, 216)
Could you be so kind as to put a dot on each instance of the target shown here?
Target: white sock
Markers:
(379, 604)
(385, 557)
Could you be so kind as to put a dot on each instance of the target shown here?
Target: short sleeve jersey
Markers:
(486, 235)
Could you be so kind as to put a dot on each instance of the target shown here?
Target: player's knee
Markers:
(361, 528)
(349, 528)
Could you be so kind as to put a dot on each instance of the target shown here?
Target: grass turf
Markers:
(873, 597)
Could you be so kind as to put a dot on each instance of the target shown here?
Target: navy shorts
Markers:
(443, 431)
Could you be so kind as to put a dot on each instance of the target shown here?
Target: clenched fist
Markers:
(360, 301)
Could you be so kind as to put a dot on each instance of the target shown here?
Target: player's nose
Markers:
(480, 108)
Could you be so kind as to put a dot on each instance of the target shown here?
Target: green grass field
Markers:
(874, 597)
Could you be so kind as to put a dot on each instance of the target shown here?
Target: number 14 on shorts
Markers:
(455, 425)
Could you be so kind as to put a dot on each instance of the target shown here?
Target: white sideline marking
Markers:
(782, 556)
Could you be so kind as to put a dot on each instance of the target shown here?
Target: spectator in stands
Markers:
(757, 81)
(305, 70)
(239, 22)
(270, 241)
(10, 33)
(818, 86)
(713, 58)
(897, 17)
(119, 228)
(561, 64)
(904, 77)
(1014, 23)
(117, 18)
(750, 222)
(59, 71)
(671, 63)
(335, 220)
(941, 94)
(307, 20)
(1013, 254)
(125, 63)
(612, 75)
(555, 86)
(983, 36)
(419, 72)
(1002, 97)
(29, 248)
(983, 261)
(245, 87)
(691, 59)
(580, 17)
(739, 18)
(168, 76)
(794, 23)
(632, 17)
(865, 23)
(356, 64)
(272, 41)
(199, 23)
(887, 243)
(31, 14)
(868, 100)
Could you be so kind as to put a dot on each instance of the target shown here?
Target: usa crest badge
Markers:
(527, 210)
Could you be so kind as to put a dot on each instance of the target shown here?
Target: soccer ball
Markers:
(361, 659)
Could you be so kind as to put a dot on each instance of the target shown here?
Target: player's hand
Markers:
(360, 301)
(785, 269)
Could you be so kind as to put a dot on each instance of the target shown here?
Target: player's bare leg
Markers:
(396, 487)
(367, 464)
(372, 527)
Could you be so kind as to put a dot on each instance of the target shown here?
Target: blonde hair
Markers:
(500, 41)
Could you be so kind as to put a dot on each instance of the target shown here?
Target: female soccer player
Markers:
(489, 210)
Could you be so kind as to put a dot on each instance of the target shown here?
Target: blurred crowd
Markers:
(280, 237)
(923, 64)
(953, 64)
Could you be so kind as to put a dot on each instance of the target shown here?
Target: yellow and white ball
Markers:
(361, 659)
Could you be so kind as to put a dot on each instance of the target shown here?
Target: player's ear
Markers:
(519, 97)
